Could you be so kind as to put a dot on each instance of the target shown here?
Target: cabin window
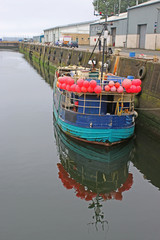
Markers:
(110, 105)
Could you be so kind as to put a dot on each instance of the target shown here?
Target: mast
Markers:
(104, 42)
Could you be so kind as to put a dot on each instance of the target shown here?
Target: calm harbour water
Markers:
(49, 184)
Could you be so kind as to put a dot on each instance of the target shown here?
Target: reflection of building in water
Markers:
(96, 174)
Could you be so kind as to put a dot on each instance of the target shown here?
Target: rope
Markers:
(119, 112)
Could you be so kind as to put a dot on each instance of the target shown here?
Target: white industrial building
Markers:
(78, 31)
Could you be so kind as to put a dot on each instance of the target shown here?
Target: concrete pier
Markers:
(9, 45)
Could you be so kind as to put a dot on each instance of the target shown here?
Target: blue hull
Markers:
(95, 135)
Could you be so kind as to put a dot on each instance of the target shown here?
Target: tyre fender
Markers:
(69, 56)
(108, 64)
(142, 72)
(80, 57)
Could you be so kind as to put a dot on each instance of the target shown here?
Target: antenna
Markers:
(98, 218)
(120, 6)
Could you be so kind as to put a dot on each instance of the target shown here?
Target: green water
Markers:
(52, 187)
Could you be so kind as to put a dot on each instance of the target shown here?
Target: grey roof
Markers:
(145, 4)
(117, 17)
(70, 25)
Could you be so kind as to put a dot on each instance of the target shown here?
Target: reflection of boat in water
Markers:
(93, 171)
(96, 174)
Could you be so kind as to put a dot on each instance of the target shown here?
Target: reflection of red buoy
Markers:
(88, 195)
(118, 196)
(128, 184)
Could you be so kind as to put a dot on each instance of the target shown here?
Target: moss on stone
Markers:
(146, 97)
(149, 121)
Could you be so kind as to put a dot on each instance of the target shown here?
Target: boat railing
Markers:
(93, 103)
(116, 104)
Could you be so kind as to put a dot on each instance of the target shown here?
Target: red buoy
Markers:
(86, 84)
(93, 83)
(80, 82)
(107, 88)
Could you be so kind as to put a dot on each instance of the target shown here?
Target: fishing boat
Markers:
(95, 108)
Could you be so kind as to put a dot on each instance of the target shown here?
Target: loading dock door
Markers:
(113, 34)
(142, 35)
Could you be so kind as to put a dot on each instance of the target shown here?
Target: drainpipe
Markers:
(158, 23)
(58, 34)
(127, 26)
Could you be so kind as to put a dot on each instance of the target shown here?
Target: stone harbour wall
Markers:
(147, 102)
